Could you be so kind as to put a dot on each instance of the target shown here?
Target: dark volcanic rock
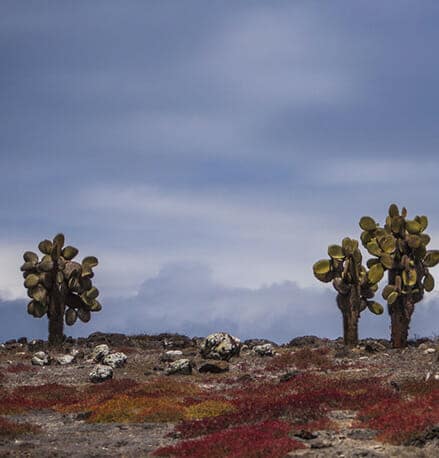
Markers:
(214, 367)
(306, 341)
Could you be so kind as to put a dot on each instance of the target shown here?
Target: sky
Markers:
(209, 152)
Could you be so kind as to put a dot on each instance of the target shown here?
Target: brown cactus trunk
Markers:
(400, 315)
(56, 322)
(350, 327)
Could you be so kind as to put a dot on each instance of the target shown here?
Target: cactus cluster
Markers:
(59, 287)
(400, 247)
(355, 285)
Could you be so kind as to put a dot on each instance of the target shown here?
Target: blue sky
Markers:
(208, 152)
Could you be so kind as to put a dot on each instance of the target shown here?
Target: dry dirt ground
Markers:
(68, 432)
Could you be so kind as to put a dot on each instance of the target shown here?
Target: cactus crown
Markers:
(57, 276)
(349, 277)
(400, 247)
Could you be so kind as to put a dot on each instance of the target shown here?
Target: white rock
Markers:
(40, 358)
(181, 366)
(100, 373)
(171, 355)
(64, 359)
(264, 350)
(436, 376)
(220, 345)
(429, 351)
(100, 352)
(115, 360)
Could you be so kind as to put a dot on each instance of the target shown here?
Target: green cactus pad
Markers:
(423, 221)
(325, 278)
(336, 252)
(341, 286)
(71, 317)
(90, 262)
(375, 307)
(31, 281)
(28, 266)
(39, 309)
(69, 252)
(413, 227)
(45, 247)
(375, 273)
(387, 261)
(425, 239)
(96, 306)
(414, 241)
(39, 293)
(387, 243)
(397, 224)
(409, 277)
(322, 267)
(432, 258)
(374, 248)
(31, 307)
(30, 256)
(367, 223)
(46, 264)
(428, 283)
(92, 293)
(392, 297)
(59, 240)
(84, 315)
(388, 289)
(393, 210)
(365, 237)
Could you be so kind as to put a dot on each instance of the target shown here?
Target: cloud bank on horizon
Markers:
(209, 154)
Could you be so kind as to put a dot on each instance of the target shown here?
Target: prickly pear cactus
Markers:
(400, 247)
(355, 285)
(59, 287)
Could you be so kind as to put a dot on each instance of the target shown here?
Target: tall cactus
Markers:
(59, 287)
(355, 285)
(400, 248)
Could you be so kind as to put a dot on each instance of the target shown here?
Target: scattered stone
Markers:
(362, 434)
(289, 375)
(422, 438)
(100, 373)
(22, 340)
(429, 351)
(40, 358)
(36, 345)
(100, 352)
(214, 367)
(77, 354)
(305, 435)
(11, 342)
(173, 341)
(171, 355)
(264, 350)
(180, 367)
(251, 343)
(374, 347)
(64, 359)
(318, 444)
(306, 341)
(220, 345)
(115, 360)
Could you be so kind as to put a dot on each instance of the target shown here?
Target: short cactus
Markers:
(400, 248)
(355, 285)
(59, 287)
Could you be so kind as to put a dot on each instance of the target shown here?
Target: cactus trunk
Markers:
(56, 322)
(350, 327)
(400, 322)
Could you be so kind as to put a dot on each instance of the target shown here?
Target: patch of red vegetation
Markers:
(34, 397)
(305, 358)
(11, 429)
(400, 420)
(19, 367)
(265, 439)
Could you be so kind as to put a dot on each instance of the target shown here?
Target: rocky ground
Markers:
(174, 391)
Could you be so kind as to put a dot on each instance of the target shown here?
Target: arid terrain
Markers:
(311, 397)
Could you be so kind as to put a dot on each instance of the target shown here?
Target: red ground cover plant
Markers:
(302, 359)
(261, 440)
(19, 367)
(304, 400)
(11, 429)
(34, 397)
(399, 421)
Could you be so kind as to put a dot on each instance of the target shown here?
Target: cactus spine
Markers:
(400, 247)
(354, 284)
(59, 287)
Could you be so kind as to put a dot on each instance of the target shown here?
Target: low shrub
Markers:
(260, 440)
(11, 429)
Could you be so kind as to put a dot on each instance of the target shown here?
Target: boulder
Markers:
(40, 358)
(180, 367)
(115, 360)
(220, 345)
(100, 373)
(64, 359)
(100, 352)
(171, 355)
(264, 350)
(214, 367)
